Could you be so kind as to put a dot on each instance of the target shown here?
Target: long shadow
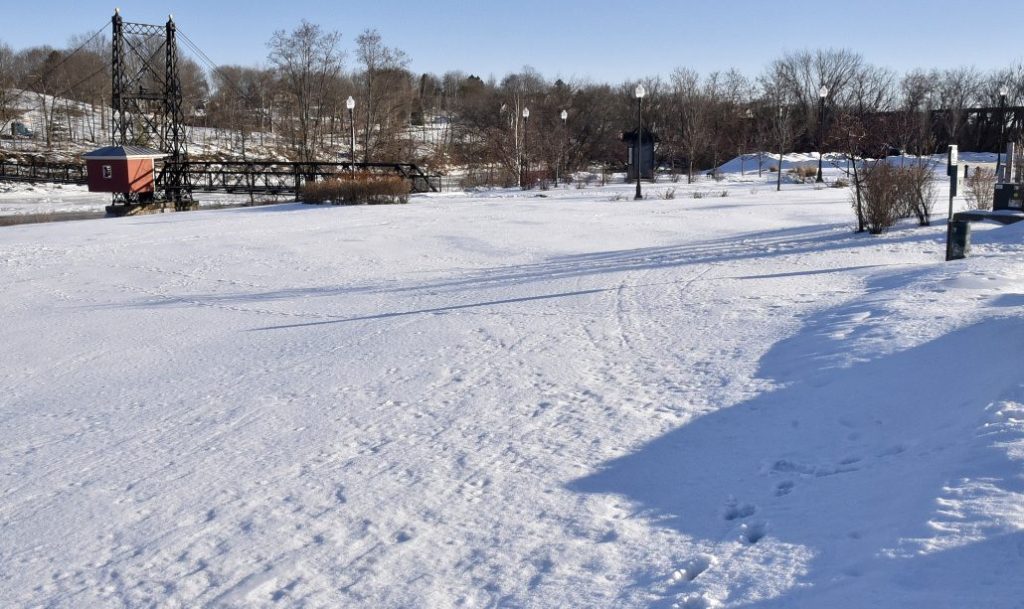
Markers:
(842, 466)
(444, 309)
(760, 244)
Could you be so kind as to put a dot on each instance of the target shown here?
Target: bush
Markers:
(980, 188)
(840, 183)
(359, 188)
(804, 173)
(882, 197)
(918, 191)
(668, 194)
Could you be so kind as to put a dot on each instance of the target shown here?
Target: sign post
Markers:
(953, 171)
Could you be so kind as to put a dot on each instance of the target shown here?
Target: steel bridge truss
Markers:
(146, 101)
(274, 177)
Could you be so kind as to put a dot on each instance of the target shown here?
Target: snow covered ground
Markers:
(22, 199)
(501, 400)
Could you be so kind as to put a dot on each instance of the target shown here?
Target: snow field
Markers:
(499, 400)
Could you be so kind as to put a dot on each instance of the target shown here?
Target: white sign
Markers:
(953, 155)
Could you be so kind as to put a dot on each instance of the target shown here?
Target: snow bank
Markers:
(833, 161)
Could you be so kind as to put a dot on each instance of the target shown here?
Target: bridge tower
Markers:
(146, 102)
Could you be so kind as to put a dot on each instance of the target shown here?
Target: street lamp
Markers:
(565, 132)
(350, 103)
(822, 94)
(1003, 91)
(748, 117)
(639, 92)
(782, 127)
(524, 175)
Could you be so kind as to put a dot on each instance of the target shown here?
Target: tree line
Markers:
(295, 105)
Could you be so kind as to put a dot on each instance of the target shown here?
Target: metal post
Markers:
(352, 142)
(178, 183)
(821, 134)
(525, 173)
(558, 162)
(565, 146)
(1002, 135)
(637, 154)
(118, 121)
(778, 174)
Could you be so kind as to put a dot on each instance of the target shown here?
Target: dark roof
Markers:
(647, 136)
(124, 152)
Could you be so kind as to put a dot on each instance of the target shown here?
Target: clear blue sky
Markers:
(595, 39)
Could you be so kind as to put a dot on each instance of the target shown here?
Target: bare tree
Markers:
(387, 93)
(957, 91)
(692, 117)
(8, 97)
(307, 59)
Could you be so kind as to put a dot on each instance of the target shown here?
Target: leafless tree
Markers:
(308, 60)
(386, 96)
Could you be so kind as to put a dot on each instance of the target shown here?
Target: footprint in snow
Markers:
(736, 511)
(693, 568)
(752, 533)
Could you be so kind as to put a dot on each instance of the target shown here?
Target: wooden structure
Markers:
(129, 170)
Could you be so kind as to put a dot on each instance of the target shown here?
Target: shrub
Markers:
(840, 183)
(881, 196)
(359, 188)
(980, 188)
(804, 173)
(918, 190)
(668, 194)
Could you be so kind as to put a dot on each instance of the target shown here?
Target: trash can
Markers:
(1008, 196)
(959, 243)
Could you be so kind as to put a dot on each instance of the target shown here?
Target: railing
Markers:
(61, 174)
(275, 177)
(270, 177)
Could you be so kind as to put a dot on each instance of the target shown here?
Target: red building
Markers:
(122, 169)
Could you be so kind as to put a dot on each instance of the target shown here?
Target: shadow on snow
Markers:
(848, 462)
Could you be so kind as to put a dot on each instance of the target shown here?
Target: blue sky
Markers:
(596, 39)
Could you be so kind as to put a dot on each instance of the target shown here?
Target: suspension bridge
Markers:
(146, 106)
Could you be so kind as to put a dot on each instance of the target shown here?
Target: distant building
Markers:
(122, 169)
(647, 141)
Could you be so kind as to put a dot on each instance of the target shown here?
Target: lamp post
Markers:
(524, 174)
(1002, 132)
(778, 174)
(350, 103)
(822, 94)
(561, 152)
(639, 92)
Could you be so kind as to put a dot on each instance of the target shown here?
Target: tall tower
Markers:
(146, 102)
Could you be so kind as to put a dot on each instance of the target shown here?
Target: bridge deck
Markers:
(258, 177)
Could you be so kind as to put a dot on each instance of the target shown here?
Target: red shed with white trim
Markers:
(122, 169)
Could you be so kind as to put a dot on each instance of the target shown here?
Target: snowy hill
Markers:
(499, 400)
(749, 163)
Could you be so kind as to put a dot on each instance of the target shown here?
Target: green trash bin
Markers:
(959, 243)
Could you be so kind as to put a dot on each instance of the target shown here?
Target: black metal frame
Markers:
(276, 177)
(146, 101)
(270, 177)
